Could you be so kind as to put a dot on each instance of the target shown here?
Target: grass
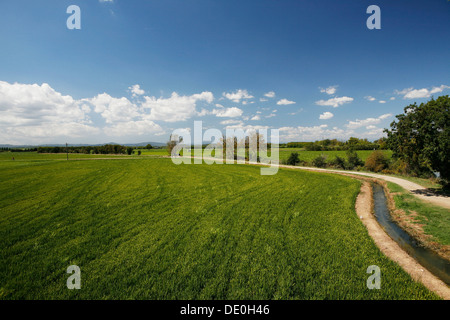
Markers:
(435, 220)
(147, 229)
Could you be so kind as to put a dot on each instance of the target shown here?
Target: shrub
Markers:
(376, 161)
(353, 160)
(293, 159)
(338, 163)
(319, 162)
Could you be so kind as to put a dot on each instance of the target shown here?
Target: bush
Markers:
(293, 159)
(129, 150)
(353, 160)
(319, 162)
(338, 163)
(376, 161)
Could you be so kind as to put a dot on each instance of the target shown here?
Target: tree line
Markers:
(105, 149)
(334, 144)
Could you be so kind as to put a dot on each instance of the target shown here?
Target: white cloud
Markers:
(326, 115)
(366, 122)
(330, 90)
(129, 128)
(175, 108)
(334, 102)
(411, 93)
(232, 112)
(270, 94)
(285, 102)
(136, 90)
(113, 109)
(256, 118)
(392, 98)
(263, 100)
(231, 122)
(32, 113)
(271, 115)
(246, 127)
(370, 98)
(313, 133)
(382, 101)
(238, 95)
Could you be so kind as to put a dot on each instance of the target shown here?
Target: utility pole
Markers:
(67, 151)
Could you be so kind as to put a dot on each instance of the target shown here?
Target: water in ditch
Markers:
(437, 265)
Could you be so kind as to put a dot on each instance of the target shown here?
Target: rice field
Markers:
(144, 228)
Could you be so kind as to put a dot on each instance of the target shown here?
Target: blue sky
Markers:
(137, 70)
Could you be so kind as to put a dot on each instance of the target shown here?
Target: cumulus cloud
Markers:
(256, 118)
(139, 127)
(313, 133)
(366, 122)
(238, 95)
(370, 98)
(382, 101)
(175, 108)
(411, 93)
(270, 94)
(113, 109)
(326, 115)
(285, 102)
(330, 90)
(334, 102)
(31, 113)
(232, 112)
(231, 122)
(136, 90)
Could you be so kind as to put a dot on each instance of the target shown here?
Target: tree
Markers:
(421, 137)
(173, 142)
(149, 146)
(129, 150)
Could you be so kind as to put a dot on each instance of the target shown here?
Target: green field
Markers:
(144, 228)
(435, 220)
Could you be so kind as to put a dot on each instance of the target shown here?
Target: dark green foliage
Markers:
(353, 161)
(338, 162)
(293, 159)
(421, 137)
(319, 162)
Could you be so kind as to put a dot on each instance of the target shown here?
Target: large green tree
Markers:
(421, 137)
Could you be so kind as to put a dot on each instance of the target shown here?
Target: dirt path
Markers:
(391, 249)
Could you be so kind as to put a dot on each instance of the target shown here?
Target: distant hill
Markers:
(140, 144)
